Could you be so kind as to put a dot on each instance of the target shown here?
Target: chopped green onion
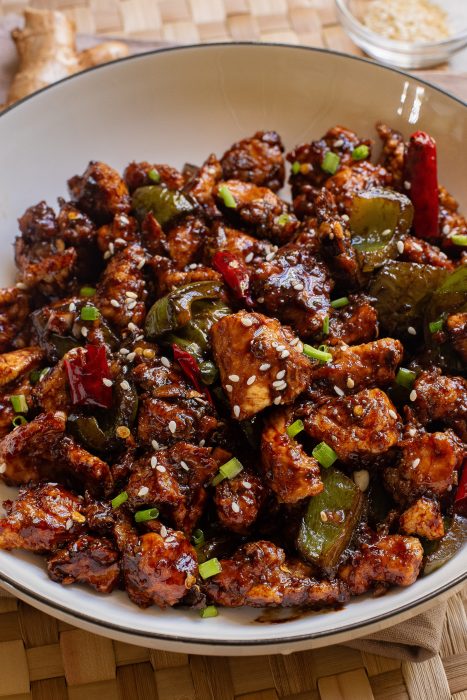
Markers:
(198, 538)
(231, 468)
(339, 303)
(209, 568)
(459, 239)
(19, 403)
(118, 500)
(436, 326)
(19, 420)
(330, 162)
(217, 479)
(37, 375)
(316, 354)
(324, 454)
(326, 325)
(154, 175)
(141, 516)
(226, 195)
(296, 167)
(295, 428)
(87, 292)
(360, 152)
(89, 313)
(283, 219)
(209, 611)
(405, 377)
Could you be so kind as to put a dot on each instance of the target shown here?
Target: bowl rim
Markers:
(397, 44)
(379, 622)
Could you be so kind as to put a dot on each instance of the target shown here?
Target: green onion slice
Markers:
(436, 326)
(360, 152)
(37, 375)
(326, 325)
(89, 313)
(141, 516)
(228, 471)
(316, 354)
(209, 611)
(19, 420)
(405, 377)
(226, 195)
(154, 175)
(283, 219)
(330, 162)
(459, 239)
(339, 303)
(209, 568)
(87, 292)
(198, 537)
(295, 428)
(19, 403)
(324, 454)
(296, 167)
(118, 500)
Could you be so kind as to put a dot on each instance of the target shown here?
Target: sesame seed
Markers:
(84, 331)
(72, 306)
(246, 321)
(133, 327)
(298, 286)
(114, 303)
(412, 432)
(277, 400)
(323, 516)
(260, 300)
(184, 466)
(160, 468)
(236, 410)
(279, 385)
(362, 479)
(171, 539)
(111, 248)
(284, 354)
(269, 257)
(338, 143)
(122, 241)
(246, 484)
(393, 414)
(141, 263)
(229, 388)
(192, 266)
(107, 255)
(413, 395)
(131, 295)
(345, 217)
(235, 508)
(2, 468)
(143, 491)
(131, 356)
(446, 229)
(125, 386)
(350, 383)
(411, 330)
(234, 377)
(155, 444)
(163, 531)
(69, 524)
(131, 305)
(153, 461)
(386, 232)
(416, 462)
(294, 341)
(202, 443)
(21, 285)
(251, 380)
(281, 374)
(107, 382)
(400, 247)
(172, 426)
(264, 367)
(249, 257)
(165, 362)
(338, 391)
(407, 185)
(124, 351)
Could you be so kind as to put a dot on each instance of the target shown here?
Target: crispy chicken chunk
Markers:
(294, 287)
(392, 559)
(18, 362)
(100, 192)
(117, 235)
(121, 278)
(355, 323)
(202, 184)
(258, 363)
(456, 328)
(357, 427)
(424, 519)
(137, 175)
(392, 157)
(290, 472)
(417, 250)
(185, 242)
(443, 399)
(42, 518)
(51, 392)
(90, 560)
(257, 159)
(14, 310)
(238, 243)
(259, 575)
(350, 181)
(450, 221)
(238, 501)
(75, 228)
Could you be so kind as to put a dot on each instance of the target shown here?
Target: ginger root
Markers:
(47, 52)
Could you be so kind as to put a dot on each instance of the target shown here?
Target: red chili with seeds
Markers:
(191, 371)
(86, 372)
(235, 274)
(421, 173)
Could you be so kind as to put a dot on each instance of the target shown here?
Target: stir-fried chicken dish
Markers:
(212, 396)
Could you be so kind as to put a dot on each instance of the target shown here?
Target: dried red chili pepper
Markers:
(421, 173)
(460, 501)
(86, 372)
(191, 370)
(235, 274)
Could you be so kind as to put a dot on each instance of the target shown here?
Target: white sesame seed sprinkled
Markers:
(193, 266)
(122, 241)
(294, 341)
(298, 286)
(229, 388)
(338, 390)
(350, 383)
(279, 384)
(21, 285)
(132, 327)
(277, 400)
(143, 491)
(172, 426)
(153, 461)
(184, 466)
(111, 248)
(386, 232)
(236, 410)
(323, 516)
(407, 185)
(338, 143)
(165, 362)
(284, 354)
(114, 303)
(416, 462)
(234, 377)
(171, 539)
(412, 432)
(362, 479)
(264, 367)
(131, 295)
(281, 374)
(246, 321)
(260, 300)
(251, 380)
(202, 443)
(84, 331)
(400, 247)
(413, 395)
(411, 330)
(270, 257)
(125, 386)
(107, 382)
(124, 351)
(141, 263)
(163, 531)
(160, 468)
(155, 444)
(249, 258)
(2, 468)
(235, 507)
(131, 305)
(107, 255)
(246, 484)
(69, 524)
(345, 217)
(72, 306)
(393, 414)
(446, 229)
(139, 337)
(131, 356)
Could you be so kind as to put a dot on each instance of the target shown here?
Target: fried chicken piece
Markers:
(358, 367)
(137, 175)
(289, 471)
(238, 243)
(427, 466)
(450, 221)
(238, 501)
(350, 181)
(14, 310)
(51, 392)
(259, 209)
(259, 575)
(440, 398)
(89, 560)
(18, 362)
(82, 467)
(100, 192)
(38, 226)
(123, 276)
(419, 251)
(42, 518)
(392, 157)
(352, 324)
(456, 328)
(251, 352)
(166, 278)
(7, 412)
(174, 480)
(294, 286)
(185, 241)
(201, 185)
(392, 559)
(424, 519)
(75, 228)
(357, 427)
(158, 570)
(257, 159)
(122, 231)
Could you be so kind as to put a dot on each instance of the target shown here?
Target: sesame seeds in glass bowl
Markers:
(406, 33)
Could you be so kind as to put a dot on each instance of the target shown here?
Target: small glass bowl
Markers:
(405, 54)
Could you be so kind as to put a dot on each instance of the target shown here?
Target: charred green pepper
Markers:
(378, 219)
(166, 205)
(330, 520)
(438, 552)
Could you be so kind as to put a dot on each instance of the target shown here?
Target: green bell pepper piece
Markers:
(438, 552)
(166, 205)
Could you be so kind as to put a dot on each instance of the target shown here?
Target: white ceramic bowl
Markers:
(179, 105)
